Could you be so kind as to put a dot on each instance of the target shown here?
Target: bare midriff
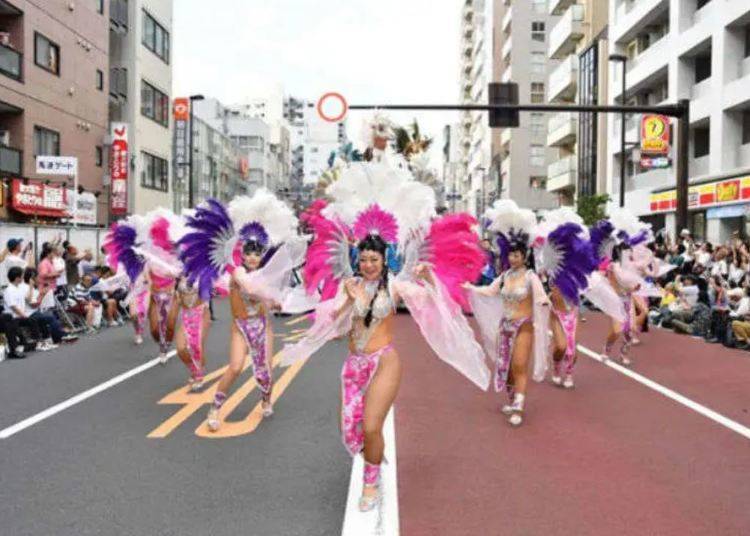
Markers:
(381, 336)
(238, 303)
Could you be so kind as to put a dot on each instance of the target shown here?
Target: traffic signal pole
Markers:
(680, 111)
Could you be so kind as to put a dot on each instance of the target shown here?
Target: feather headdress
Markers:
(217, 233)
(513, 226)
(629, 229)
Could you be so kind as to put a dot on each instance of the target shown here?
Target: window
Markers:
(46, 54)
(537, 31)
(588, 89)
(701, 139)
(100, 6)
(99, 80)
(745, 127)
(536, 123)
(537, 92)
(537, 155)
(155, 37)
(154, 104)
(46, 142)
(538, 182)
(702, 67)
(155, 173)
(538, 62)
(747, 41)
(99, 156)
(700, 3)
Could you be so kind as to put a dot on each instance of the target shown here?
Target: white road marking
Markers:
(385, 521)
(62, 406)
(677, 397)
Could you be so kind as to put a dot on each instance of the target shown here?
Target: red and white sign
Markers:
(39, 199)
(181, 110)
(118, 168)
(332, 107)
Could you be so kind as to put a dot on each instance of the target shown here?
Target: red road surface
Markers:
(610, 457)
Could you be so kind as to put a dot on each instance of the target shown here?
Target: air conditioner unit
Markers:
(5, 138)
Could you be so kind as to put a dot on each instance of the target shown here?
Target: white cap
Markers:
(684, 232)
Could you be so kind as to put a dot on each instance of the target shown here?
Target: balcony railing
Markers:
(558, 7)
(567, 31)
(507, 47)
(11, 62)
(10, 160)
(507, 18)
(563, 81)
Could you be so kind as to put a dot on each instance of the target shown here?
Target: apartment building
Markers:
(476, 188)
(521, 32)
(697, 50)
(53, 102)
(578, 42)
(140, 45)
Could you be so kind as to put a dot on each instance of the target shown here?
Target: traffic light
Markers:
(503, 93)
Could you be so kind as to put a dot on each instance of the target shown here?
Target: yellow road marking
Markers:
(297, 320)
(191, 403)
(250, 423)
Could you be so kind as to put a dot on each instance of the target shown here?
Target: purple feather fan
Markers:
(119, 248)
(203, 251)
(577, 260)
(601, 238)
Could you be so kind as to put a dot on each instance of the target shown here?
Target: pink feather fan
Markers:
(453, 250)
(327, 259)
(374, 220)
(159, 235)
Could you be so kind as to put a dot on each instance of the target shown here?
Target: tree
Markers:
(592, 208)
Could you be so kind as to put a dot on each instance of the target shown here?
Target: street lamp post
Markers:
(193, 98)
(623, 60)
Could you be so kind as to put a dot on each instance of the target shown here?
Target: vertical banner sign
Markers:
(119, 167)
(181, 110)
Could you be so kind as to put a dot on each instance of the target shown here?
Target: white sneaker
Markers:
(626, 361)
(163, 358)
(267, 409)
(138, 340)
(43, 347)
(51, 345)
(515, 420)
(20, 350)
(113, 324)
(568, 383)
(196, 385)
(507, 409)
(213, 419)
(557, 380)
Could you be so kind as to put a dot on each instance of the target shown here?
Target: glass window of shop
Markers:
(697, 224)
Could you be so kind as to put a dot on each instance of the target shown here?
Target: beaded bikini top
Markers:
(382, 307)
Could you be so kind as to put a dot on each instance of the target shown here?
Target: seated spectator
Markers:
(15, 305)
(698, 322)
(682, 308)
(741, 321)
(34, 307)
(10, 328)
(86, 306)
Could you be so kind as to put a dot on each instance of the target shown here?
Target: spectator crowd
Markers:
(55, 298)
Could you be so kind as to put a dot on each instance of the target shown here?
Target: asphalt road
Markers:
(91, 469)
(611, 456)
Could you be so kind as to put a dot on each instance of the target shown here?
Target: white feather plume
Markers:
(366, 183)
(557, 217)
(265, 208)
(505, 215)
(624, 220)
(378, 123)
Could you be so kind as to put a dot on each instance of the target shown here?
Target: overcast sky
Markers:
(384, 51)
